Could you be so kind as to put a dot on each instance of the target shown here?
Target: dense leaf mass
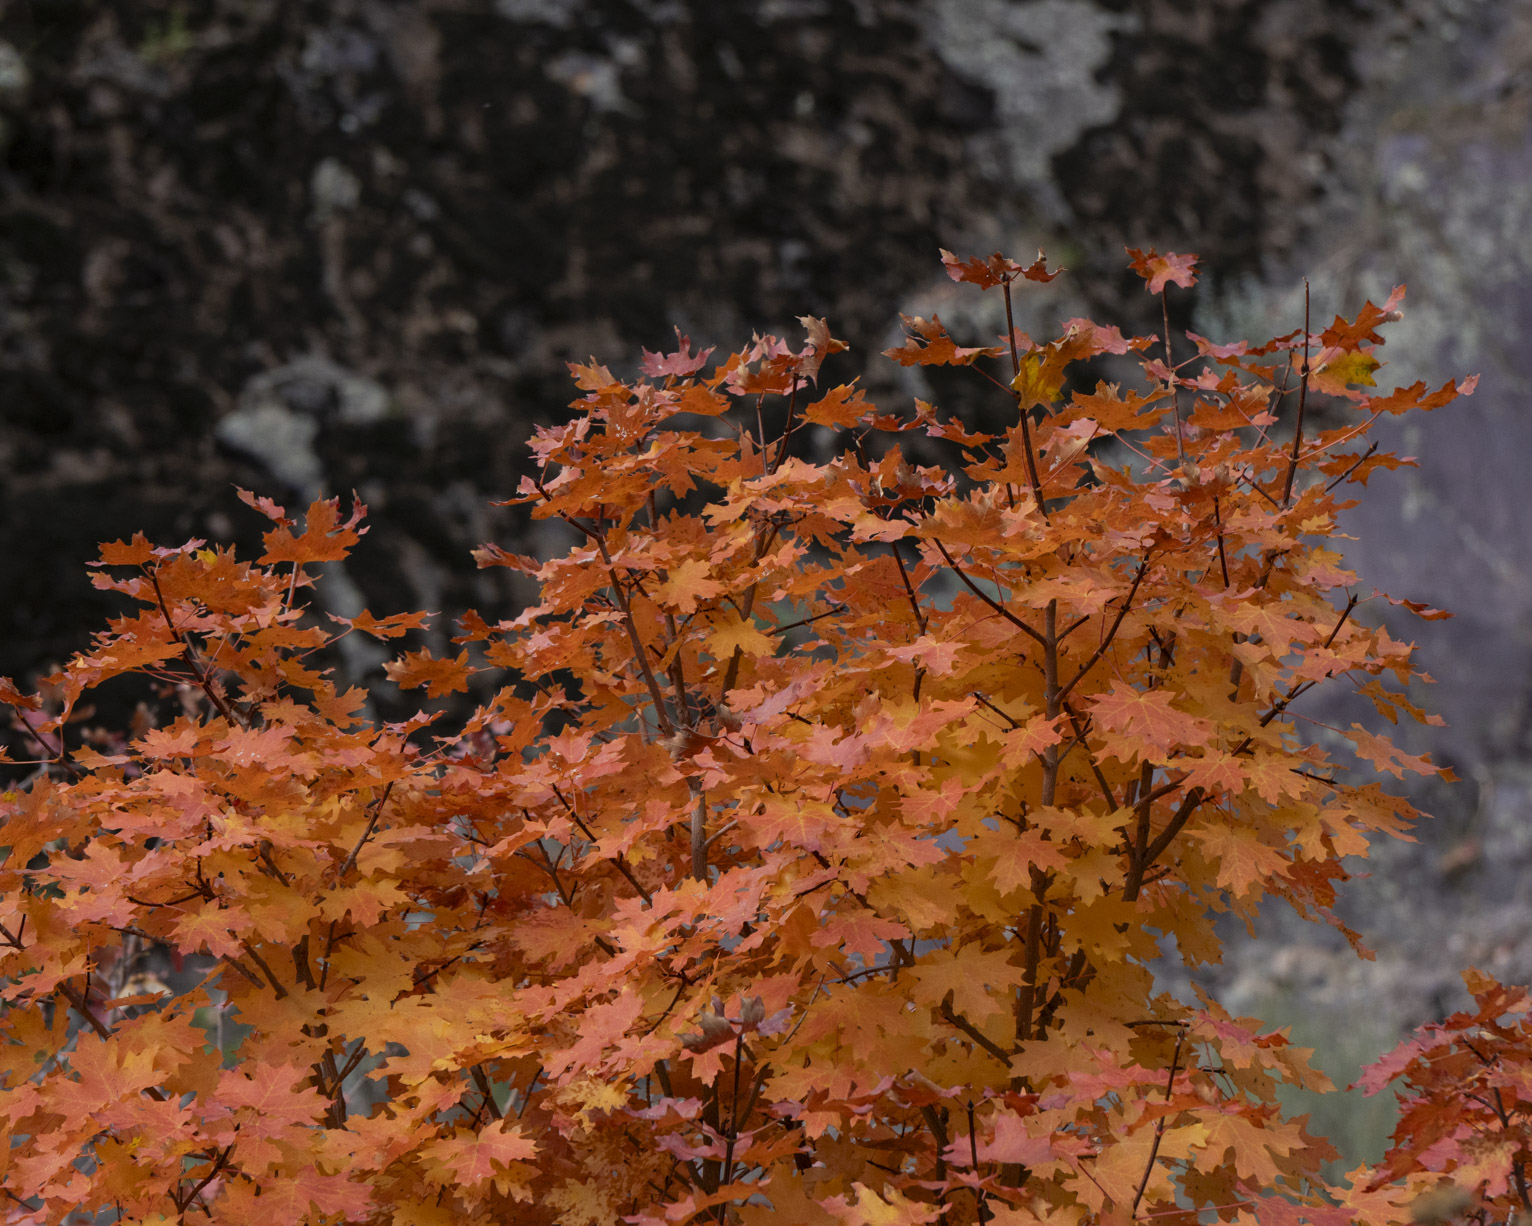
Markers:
(806, 864)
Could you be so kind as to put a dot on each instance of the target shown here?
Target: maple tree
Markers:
(805, 853)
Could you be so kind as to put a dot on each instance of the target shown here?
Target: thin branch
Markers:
(1372, 448)
(260, 962)
(375, 810)
(482, 1082)
(986, 598)
(203, 679)
(619, 861)
(1159, 1128)
(973, 1032)
(808, 621)
(1143, 569)
(1024, 412)
(973, 1157)
(1303, 399)
(699, 832)
(1223, 561)
(662, 712)
(983, 701)
(1175, 389)
(1101, 780)
(909, 588)
(1298, 689)
(1166, 836)
(787, 428)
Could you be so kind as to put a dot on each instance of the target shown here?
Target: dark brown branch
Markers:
(1023, 411)
(203, 679)
(986, 598)
(1156, 849)
(1170, 362)
(1303, 399)
(661, 711)
(1106, 643)
(1159, 1128)
(1352, 468)
(808, 621)
(375, 810)
(1081, 728)
(973, 1032)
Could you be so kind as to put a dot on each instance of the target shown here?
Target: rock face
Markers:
(1435, 189)
(322, 246)
(350, 244)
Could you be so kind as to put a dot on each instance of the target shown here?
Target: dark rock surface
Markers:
(369, 233)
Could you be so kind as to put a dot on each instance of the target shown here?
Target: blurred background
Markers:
(306, 248)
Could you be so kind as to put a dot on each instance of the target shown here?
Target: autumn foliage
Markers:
(804, 855)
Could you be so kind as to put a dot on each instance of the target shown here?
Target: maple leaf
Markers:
(1343, 334)
(385, 627)
(274, 1093)
(687, 584)
(681, 363)
(936, 657)
(1415, 397)
(1251, 1144)
(1157, 269)
(844, 405)
(136, 553)
(475, 1157)
(107, 1072)
(1147, 722)
(996, 270)
(1243, 861)
(296, 1196)
(867, 1208)
(13, 697)
(417, 668)
(931, 346)
(821, 346)
(977, 981)
(1386, 756)
(861, 934)
(591, 377)
(1013, 1141)
(265, 506)
(735, 633)
(1100, 339)
(324, 539)
(1336, 375)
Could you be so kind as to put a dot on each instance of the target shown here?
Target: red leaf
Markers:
(1157, 269)
(1386, 756)
(325, 538)
(681, 363)
(1350, 335)
(265, 506)
(996, 270)
(417, 668)
(1146, 722)
(931, 346)
(385, 627)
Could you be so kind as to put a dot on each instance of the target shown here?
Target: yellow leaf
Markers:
(686, 584)
(870, 1209)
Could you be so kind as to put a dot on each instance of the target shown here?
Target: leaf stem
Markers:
(1303, 399)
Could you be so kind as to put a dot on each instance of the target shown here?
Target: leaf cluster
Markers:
(806, 856)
